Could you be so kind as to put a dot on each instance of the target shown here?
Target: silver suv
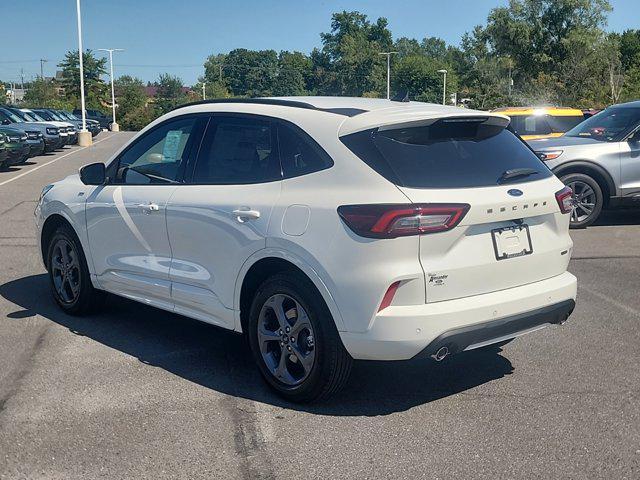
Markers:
(599, 159)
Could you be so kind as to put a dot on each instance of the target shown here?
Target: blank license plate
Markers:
(510, 242)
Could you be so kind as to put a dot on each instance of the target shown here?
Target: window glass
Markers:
(530, 125)
(608, 125)
(445, 155)
(237, 150)
(564, 123)
(298, 154)
(156, 157)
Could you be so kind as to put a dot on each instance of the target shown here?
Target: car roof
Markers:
(357, 113)
(634, 104)
(553, 111)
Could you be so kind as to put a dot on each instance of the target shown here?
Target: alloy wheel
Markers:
(286, 339)
(65, 271)
(584, 201)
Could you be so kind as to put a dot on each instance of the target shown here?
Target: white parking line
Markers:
(52, 161)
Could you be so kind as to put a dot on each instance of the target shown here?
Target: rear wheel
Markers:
(587, 199)
(69, 275)
(294, 340)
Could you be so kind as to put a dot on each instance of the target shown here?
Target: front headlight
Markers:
(44, 192)
(549, 155)
(52, 131)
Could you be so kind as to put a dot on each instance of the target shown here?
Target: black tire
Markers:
(583, 179)
(87, 299)
(332, 363)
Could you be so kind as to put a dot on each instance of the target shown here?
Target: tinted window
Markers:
(564, 123)
(237, 150)
(299, 154)
(610, 124)
(157, 157)
(445, 155)
(530, 125)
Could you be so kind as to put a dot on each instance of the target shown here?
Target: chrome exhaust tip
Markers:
(440, 354)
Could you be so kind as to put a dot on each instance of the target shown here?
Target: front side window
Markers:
(237, 150)
(609, 125)
(564, 123)
(157, 157)
(299, 155)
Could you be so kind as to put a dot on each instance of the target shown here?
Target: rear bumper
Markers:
(404, 332)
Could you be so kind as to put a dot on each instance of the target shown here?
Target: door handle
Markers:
(244, 214)
(148, 208)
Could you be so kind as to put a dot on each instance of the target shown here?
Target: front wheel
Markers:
(295, 341)
(587, 199)
(69, 275)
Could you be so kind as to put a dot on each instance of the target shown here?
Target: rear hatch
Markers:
(513, 233)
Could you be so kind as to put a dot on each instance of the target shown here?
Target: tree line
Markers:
(529, 52)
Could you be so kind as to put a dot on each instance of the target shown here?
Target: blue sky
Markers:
(176, 36)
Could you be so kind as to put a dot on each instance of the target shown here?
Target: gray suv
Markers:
(599, 159)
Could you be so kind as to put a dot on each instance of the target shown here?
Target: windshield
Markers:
(54, 115)
(608, 125)
(11, 115)
(40, 116)
(34, 117)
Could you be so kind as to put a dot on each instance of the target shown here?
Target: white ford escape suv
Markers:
(326, 229)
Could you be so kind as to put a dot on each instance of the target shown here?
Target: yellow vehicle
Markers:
(532, 123)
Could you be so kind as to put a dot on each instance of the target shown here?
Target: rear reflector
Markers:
(565, 199)
(388, 297)
(399, 220)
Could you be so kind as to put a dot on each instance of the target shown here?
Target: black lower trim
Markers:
(628, 201)
(457, 339)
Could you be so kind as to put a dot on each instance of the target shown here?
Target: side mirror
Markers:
(93, 174)
(634, 137)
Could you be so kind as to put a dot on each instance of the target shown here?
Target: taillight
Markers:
(400, 220)
(565, 199)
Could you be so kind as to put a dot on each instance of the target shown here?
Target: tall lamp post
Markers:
(388, 55)
(444, 86)
(114, 125)
(84, 136)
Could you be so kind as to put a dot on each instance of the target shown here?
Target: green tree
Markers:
(294, 74)
(418, 75)
(96, 91)
(250, 73)
(44, 93)
(170, 93)
(131, 102)
(349, 63)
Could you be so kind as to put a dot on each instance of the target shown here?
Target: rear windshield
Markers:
(447, 154)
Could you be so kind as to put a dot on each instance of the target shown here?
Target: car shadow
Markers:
(620, 216)
(221, 360)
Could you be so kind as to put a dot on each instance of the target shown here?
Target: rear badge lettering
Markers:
(437, 279)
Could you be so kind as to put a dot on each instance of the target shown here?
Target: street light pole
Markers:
(114, 125)
(388, 55)
(204, 94)
(84, 137)
(444, 86)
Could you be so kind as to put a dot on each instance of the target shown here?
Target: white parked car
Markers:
(326, 229)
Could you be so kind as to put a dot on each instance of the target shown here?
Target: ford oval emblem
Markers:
(514, 192)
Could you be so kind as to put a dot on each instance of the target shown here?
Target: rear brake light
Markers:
(388, 296)
(565, 199)
(399, 220)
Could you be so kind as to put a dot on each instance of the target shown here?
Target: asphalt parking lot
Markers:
(135, 392)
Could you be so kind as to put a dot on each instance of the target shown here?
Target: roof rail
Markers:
(258, 101)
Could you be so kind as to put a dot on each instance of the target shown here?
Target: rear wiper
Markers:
(516, 173)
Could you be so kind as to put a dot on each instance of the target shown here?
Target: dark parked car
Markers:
(4, 153)
(101, 118)
(92, 125)
(17, 145)
(51, 116)
(40, 136)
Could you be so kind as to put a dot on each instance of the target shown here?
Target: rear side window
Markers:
(446, 154)
(530, 125)
(238, 150)
(300, 155)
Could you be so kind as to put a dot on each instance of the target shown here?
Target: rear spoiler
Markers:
(417, 115)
